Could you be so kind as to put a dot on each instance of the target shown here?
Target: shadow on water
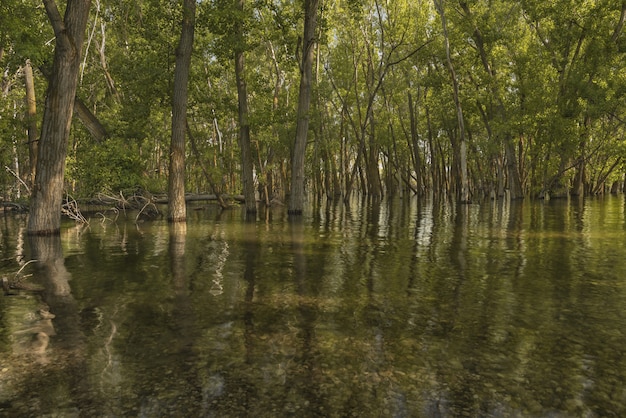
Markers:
(381, 308)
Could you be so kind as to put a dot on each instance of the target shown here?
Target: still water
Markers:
(398, 309)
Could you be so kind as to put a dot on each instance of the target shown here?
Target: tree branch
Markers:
(58, 25)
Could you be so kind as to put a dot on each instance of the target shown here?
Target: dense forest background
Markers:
(473, 99)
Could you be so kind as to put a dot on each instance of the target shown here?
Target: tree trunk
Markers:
(90, 121)
(176, 191)
(512, 166)
(31, 118)
(296, 198)
(515, 184)
(82, 112)
(244, 126)
(461, 146)
(47, 193)
(417, 161)
(373, 171)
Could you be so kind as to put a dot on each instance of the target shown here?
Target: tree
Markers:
(244, 125)
(176, 190)
(296, 199)
(460, 146)
(31, 117)
(497, 113)
(47, 193)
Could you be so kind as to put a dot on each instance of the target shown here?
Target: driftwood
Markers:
(12, 206)
(140, 200)
(204, 197)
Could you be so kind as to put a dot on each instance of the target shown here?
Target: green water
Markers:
(400, 309)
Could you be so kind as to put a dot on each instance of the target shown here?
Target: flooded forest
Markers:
(470, 99)
(312, 208)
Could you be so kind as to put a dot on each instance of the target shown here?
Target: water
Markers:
(392, 310)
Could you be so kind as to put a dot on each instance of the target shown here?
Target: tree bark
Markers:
(47, 193)
(244, 125)
(90, 121)
(82, 112)
(31, 118)
(177, 208)
(415, 148)
(296, 198)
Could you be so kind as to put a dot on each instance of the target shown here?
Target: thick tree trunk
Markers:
(82, 112)
(31, 118)
(177, 209)
(47, 193)
(244, 126)
(296, 198)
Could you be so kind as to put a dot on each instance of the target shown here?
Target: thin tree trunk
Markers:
(461, 146)
(512, 168)
(90, 121)
(47, 193)
(373, 171)
(296, 198)
(176, 192)
(417, 161)
(244, 126)
(31, 117)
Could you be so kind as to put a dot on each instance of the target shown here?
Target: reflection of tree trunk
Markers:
(183, 316)
(306, 352)
(68, 343)
(251, 250)
(31, 117)
(57, 293)
(183, 312)
(178, 234)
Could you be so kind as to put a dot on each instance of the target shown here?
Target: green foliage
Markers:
(549, 75)
(25, 32)
(108, 167)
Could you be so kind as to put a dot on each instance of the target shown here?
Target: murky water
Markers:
(391, 310)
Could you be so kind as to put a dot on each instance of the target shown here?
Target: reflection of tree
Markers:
(68, 346)
(303, 378)
(183, 318)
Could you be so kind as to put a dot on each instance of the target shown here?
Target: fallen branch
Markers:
(205, 197)
(71, 210)
(17, 282)
(18, 178)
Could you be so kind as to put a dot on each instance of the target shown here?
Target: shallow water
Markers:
(401, 309)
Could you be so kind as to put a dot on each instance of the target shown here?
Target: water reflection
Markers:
(400, 308)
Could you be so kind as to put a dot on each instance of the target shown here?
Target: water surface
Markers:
(398, 309)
